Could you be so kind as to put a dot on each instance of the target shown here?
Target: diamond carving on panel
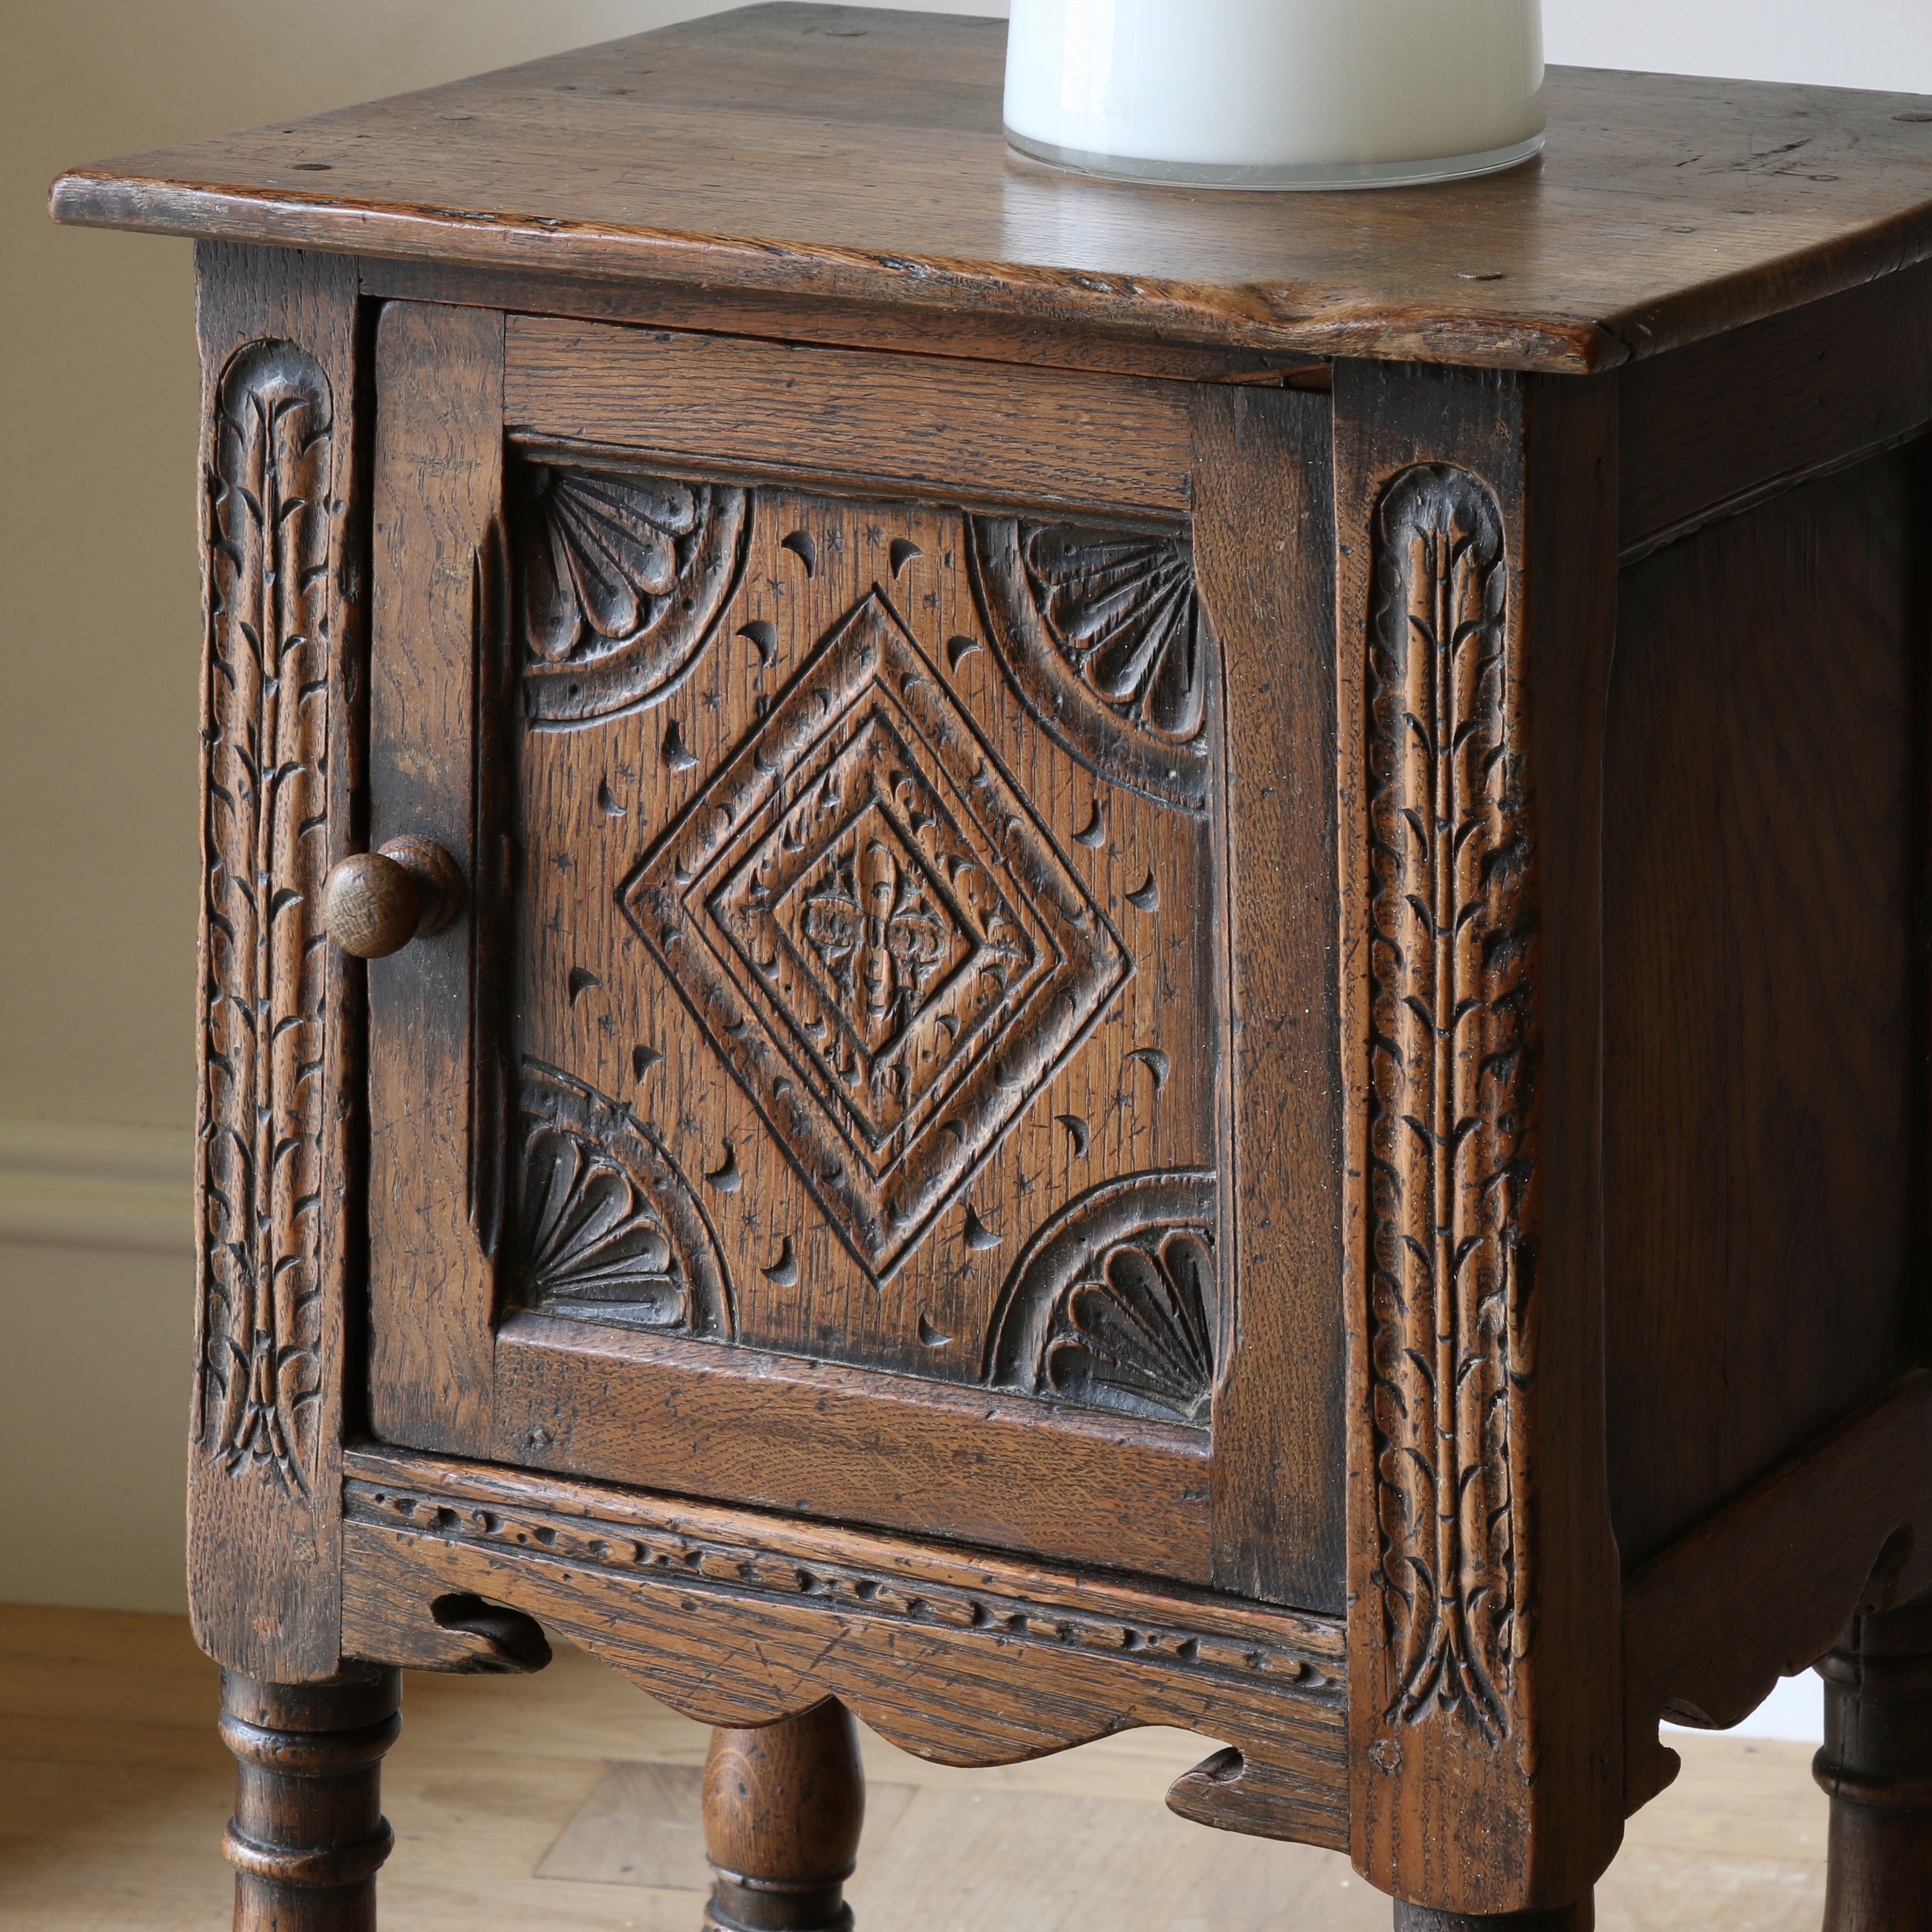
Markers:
(877, 935)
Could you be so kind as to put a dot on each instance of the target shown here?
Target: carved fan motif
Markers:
(1123, 610)
(608, 1229)
(1137, 1337)
(1103, 633)
(1115, 1302)
(622, 578)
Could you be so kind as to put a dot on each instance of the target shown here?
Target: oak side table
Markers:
(1134, 956)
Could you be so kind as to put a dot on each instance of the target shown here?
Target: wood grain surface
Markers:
(1760, 1590)
(738, 1618)
(1877, 1767)
(1706, 431)
(858, 970)
(785, 1804)
(1264, 542)
(1763, 999)
(437, 495)
(856, 155)
(1475, 530)
(743, 408)
(1044, 341)
(277, 1152)
(781, 1432)
(308, 1835)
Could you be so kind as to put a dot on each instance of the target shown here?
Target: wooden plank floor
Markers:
(570, 1801)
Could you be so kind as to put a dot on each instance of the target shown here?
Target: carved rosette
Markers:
(1103, 635)
(621, 578)
(608, 1229)
(1452, 1063)
(1115, 1302)
(267, 513)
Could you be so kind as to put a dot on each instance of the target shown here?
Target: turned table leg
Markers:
(1579, 1918)
(308, 1832)
(783, 1806)
(1876, 1766)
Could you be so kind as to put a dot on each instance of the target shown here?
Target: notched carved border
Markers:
(963, 1656)
(1453, 1056)
(1103, 634)
(267, 516)
(700, 1565)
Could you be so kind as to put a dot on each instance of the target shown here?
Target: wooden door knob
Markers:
(374, 903)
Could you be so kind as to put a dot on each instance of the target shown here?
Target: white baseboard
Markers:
(81, 1184)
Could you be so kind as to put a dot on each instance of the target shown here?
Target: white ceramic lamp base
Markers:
(1276, 94)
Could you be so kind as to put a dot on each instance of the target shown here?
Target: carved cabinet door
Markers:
(855, 1087)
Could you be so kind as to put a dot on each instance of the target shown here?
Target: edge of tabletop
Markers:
(1121, 305)
(1218, 316)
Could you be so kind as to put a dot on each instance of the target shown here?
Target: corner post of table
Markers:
(1476, 582)
(279, 1009)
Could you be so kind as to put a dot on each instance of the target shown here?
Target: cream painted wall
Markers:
(99, 634)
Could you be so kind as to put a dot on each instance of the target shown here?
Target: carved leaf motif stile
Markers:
(266, 521)
(1453, 1063)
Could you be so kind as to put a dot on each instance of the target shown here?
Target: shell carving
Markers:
(1103, 634)
(1123, 610)
(608, 1229)
(623, 577)
(1114, 1304)
(590, 1236)
(1139, 1336)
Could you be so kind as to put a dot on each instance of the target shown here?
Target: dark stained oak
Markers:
(1475, 540)
(1709, 429)
(1013, 955)
(738, 1618)
(1264, 488)
(1763, 989)
(1041, 341)
(308, 1834)
(1859, 1503)
(1420, 1918)
(435, 502)
(1876, 1764)
(754, 408)
(856, 154)
(279, 1145)
(374, 903)
(783, 1805)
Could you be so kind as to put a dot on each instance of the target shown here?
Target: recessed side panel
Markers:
(1763, 989)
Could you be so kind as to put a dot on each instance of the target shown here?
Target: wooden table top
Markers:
(854, 153)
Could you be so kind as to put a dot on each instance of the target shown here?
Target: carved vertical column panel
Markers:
(1476, 583)
(281, 602)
